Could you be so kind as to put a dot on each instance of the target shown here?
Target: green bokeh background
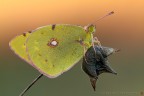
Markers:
(122, 30)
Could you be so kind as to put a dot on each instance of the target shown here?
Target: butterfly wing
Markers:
(53, 49)
(18, 46)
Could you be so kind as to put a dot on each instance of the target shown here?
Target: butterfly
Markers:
(54, 49)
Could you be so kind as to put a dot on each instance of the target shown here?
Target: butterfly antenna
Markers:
(108, 14)
(29, 86)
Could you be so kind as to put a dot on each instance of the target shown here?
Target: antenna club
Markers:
(112, 12)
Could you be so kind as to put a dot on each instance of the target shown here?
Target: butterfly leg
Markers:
(85, 54)
(81, 42)
(95, 40)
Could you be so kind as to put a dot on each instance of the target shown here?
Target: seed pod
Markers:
(95, 63)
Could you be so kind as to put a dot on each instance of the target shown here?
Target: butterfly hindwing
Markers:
(19, 47)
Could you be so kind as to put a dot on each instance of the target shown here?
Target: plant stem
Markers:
(29, 86)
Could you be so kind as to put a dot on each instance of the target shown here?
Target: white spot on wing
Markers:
(54, 43)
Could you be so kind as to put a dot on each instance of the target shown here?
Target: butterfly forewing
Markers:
(53, 49)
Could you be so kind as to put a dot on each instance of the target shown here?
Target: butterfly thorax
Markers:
(90, 29)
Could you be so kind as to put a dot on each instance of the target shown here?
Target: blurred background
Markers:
(123, 30)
